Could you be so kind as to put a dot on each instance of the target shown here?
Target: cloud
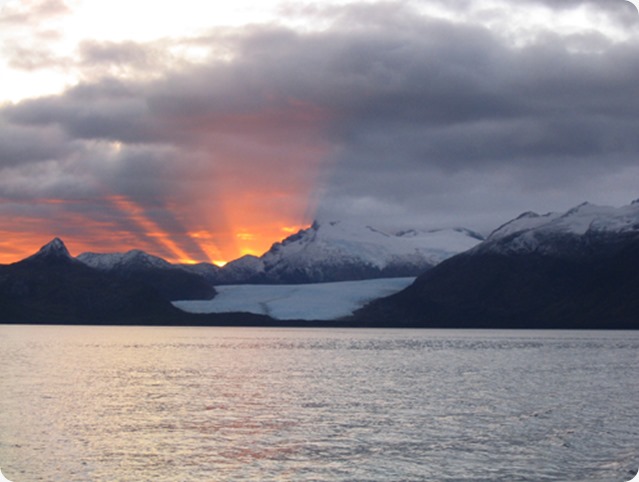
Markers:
(126, 53)
(388, 114)
(29, 12)
(26, 144)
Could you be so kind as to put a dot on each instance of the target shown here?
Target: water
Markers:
(206, 404)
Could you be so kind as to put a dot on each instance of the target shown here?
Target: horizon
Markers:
(209, 131)
(53, 238)
(485, 235)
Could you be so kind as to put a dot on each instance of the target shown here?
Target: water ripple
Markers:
(192, 404)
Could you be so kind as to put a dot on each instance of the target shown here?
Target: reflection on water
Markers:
(201, 404)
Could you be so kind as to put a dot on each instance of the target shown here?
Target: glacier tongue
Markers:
(322, 301)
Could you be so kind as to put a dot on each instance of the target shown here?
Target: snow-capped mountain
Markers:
(333, 251)
(54, 251)
(173, 281)
(556, 233)
(338, 251)
(53, 287)
(572, 270)
(208, 271)
(242, 270)
(134, 259)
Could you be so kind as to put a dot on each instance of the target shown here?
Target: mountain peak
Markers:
(55, 246)
(133, 259)
(542, 233)
(334, 250)
(54, 250)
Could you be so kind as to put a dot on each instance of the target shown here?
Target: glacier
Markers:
(318, 301)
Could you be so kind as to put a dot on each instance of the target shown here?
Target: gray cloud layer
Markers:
(421, 120)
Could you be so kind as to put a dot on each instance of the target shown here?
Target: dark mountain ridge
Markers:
(173, 282)
(571, 270)
(576, 270)
(52, 286)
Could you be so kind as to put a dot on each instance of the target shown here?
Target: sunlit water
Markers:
(205, 404)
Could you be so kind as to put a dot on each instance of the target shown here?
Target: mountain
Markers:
(55, 251)
(325, 252)
(572, 270)
(174, 282)
(129, 261)
(51, 287)
(338, 251)
(210, 272)
(247, 269)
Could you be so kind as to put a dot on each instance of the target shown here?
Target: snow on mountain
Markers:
(133, 258)
(208, 271)
(341, 240)
(322, 301)
(52, 287)
(54, 250)
(172, 281)
(325, 252)
(570, 270)
(524, 222)
(240, 270)
(443, 243)
(338, 251)
(531, 232)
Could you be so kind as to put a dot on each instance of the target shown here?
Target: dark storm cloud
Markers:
(106, 110)
(414, 108)
(27, 144)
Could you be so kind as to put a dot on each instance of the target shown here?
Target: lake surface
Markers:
(205, 404)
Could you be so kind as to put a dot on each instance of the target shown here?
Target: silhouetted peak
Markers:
(53, 250)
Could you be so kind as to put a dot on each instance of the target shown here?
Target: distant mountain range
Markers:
(171, 281)
(51, 287)
(135, 287)
(333, 251)
(338, 251)
(572, 270)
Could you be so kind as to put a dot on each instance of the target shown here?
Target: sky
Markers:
(201, 132)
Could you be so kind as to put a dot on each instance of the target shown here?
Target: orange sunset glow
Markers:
(219, 247)
(246, 190)
(205, 131)
(228, 184)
